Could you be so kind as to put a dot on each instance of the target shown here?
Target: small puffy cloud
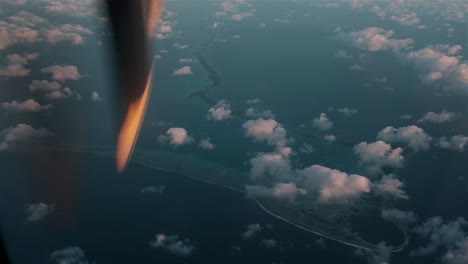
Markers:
(185, 60)
(306, 148)
(458, 142)
(69, 255)
(39, 211)
(251, 231)
(442, 117)
(288, 191)
(186, 70)
(343, 54)
(375, 39)
(180, 46)
(29, 105)
(266, 130)
(78, 8)
(279, 20)
(206, 144)
(406, 116)
(414, 136)
(22, 134)
(241, 16)
(16, 65)
(329, 138)
(399, 216)
(253, 101)
(220, 111)
(355, 67)
(176, 136)
(322, 122)
(95, 97)
(63, 73)
(173, 245)
(378, 155)
(71, 33)
(153, 189)
(253, 113)
(268, 243)
(332, 186)
(348, 111)
(389, 186)
(12, 34)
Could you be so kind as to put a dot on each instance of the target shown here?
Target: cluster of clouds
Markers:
(441, 66)
(47, 87)
(15, 66)
(178, 136)
(21, 134)
(29, 105)
(173, 244)
(26, 28)
(63, 73)
(273, 173)
(457, 142)
(52, 90)
(78, 8)
(438, 65)
(447, 236)
(327, 184)
(375, 39)
(404, 12)
(75, 34)
(166, 27)
(235, 10)
(415, 137)
(442, 117)
(378, 155)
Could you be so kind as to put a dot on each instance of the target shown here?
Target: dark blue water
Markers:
(106, 215)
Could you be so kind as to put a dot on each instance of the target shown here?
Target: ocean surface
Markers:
(106, 215)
